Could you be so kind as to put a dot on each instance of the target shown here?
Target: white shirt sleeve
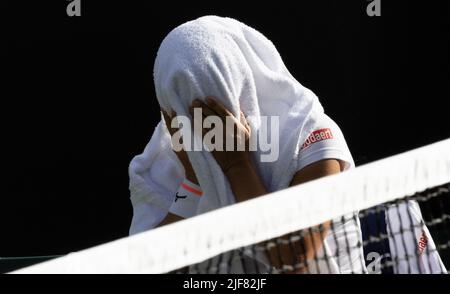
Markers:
(326, 142)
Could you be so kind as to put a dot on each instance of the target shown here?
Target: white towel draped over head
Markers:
(224, 58)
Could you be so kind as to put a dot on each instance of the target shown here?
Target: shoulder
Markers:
(326, 141)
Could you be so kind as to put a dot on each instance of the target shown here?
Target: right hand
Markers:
(182, 155)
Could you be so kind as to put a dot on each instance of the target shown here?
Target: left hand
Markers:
(182, 155)
(238, 133)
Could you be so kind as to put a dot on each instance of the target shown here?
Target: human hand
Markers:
(236, 133)
(181, 154)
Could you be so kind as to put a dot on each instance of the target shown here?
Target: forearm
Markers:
(297, 255)
(245, 181)
(169, 219)
(246, 184)
(312, 239)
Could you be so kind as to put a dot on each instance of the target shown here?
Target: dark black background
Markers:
(78, 98)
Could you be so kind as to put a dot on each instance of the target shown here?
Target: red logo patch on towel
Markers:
(423, 241)
(317, 136)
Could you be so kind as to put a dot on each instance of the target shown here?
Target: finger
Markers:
(206, 110)
(172, 113)
(196, 119)
(167, 118)
(242, 119)
(218, 107)
(244, 122)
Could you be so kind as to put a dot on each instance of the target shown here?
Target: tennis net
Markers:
(388, 216)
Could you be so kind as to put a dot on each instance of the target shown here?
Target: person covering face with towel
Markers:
(230, 71)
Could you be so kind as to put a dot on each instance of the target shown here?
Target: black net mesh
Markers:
(409, 235)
